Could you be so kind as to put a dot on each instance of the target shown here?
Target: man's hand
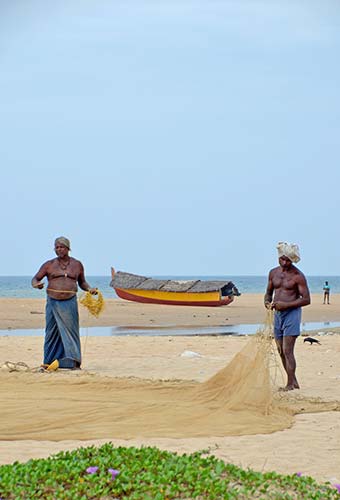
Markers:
(39, 285)
(93, 291)
(268, 305)
(280, 306)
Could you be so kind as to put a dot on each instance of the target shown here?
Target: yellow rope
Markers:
(94, 305)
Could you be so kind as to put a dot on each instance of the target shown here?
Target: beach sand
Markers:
(311, 445)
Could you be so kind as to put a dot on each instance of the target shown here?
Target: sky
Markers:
(170, 137)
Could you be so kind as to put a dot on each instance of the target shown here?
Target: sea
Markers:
(20, 286)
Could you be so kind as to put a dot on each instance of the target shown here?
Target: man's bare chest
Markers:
(62, 269)
(284, 281)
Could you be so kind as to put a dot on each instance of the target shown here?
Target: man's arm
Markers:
(269, 292)
(83, 283)
(36, 280)
(303, 291)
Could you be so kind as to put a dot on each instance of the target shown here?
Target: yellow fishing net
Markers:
(93, 303)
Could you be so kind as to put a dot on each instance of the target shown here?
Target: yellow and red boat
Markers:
(164, 291)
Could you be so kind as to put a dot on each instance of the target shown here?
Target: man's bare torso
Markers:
(286, 283)
(62, 279)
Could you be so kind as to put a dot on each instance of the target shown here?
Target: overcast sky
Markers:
(170, 137)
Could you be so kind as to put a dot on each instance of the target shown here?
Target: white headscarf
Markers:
(290, 250)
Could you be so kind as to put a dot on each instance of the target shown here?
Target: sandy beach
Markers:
(310, 444)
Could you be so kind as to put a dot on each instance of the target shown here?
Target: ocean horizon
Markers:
(20, 286)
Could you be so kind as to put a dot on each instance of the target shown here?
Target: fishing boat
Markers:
(165, 291)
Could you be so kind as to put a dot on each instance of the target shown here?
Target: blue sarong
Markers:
(62, 340)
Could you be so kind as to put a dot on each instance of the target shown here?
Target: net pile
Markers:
(93, 303)
(245, 382)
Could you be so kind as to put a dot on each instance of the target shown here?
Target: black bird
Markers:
(311, 340)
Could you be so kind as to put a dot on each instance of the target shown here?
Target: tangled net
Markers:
(18, 366)
(94, 303)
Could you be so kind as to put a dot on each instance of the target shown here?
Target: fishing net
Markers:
(237, 400)
(93, 303)
(18, 366)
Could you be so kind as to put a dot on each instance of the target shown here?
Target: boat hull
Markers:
(174, 298)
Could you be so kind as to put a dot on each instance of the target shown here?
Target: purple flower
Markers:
(92, 470)
(113, 472)
(299, 474)
(337, 486)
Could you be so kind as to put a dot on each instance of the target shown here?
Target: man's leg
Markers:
(53, 347)
(279, 345)
(290, 363)
(67, 319)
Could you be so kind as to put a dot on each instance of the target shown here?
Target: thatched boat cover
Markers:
(130, 281)
(127, 280)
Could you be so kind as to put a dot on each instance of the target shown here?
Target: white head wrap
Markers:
(290, 250)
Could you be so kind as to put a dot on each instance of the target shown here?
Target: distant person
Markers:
(62, 338)
(287, 291)
(326, 292)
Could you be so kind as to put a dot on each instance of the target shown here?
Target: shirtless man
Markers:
(287, 291)
(62, 340)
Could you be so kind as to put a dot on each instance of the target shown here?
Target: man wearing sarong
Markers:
(287, 291)
(62, 339)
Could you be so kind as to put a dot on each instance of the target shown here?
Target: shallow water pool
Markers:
(158, 331)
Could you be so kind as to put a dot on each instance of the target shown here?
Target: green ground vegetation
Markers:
(147, 473)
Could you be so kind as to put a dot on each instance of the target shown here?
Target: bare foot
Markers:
(288, 388)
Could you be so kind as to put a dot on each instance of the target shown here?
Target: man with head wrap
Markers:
(63, 273)
(287, 291)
